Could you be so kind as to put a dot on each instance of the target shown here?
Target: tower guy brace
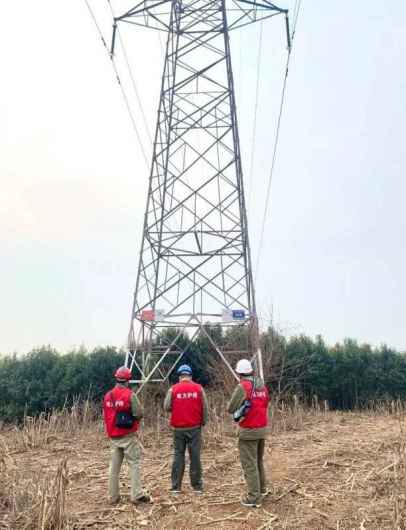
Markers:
(195, 276)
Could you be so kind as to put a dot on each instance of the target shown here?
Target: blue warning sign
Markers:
(238, 314)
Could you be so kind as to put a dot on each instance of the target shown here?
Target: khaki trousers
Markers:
(252, 463)
(128, 447)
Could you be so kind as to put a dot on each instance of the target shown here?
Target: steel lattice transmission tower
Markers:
(195, 264)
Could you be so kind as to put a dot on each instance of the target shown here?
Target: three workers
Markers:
(186, 402)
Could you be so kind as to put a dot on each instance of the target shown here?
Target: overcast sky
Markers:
(73, 179)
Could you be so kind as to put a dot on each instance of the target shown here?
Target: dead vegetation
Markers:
(29, 499)
(328, 470)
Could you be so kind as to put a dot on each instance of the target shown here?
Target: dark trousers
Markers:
(252, 462)
(192, 439)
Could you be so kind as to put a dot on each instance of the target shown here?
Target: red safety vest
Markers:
(187, 405)
(257, 416)
(117, 400)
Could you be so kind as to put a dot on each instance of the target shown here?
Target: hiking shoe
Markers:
(112, 502)
(199, 491)
(144, 498)
(174, 491)
(250, 504)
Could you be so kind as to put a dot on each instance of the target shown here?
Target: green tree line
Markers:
(347, 375)
(45, 379)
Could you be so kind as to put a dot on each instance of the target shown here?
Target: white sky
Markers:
(73, 180)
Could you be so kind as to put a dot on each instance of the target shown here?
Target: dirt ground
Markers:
(330, 471)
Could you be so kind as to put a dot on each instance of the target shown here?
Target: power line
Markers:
(277, 132)
(241, 67)
(132, 77)
(296, 16)
(123, 92)
(254, 128)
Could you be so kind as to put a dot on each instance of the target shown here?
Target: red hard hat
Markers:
(123, 373)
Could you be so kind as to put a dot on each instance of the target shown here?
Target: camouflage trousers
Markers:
(252, 463)
(126, 447)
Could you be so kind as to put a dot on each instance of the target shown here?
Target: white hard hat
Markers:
(244, 367)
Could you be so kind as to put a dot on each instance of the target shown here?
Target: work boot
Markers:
(144, 498)
(250, 503)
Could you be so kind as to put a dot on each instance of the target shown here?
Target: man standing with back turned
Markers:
(187, 403)
(122, 413)
(252, 431)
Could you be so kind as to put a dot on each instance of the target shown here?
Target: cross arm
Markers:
(155, 14)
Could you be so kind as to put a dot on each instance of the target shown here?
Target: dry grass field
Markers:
(328, 470)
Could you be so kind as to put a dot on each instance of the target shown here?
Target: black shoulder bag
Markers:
(242, 411)
(124, 419)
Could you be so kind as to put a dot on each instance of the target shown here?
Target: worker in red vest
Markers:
(122, 413)
(187, 403)
(249, 405)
